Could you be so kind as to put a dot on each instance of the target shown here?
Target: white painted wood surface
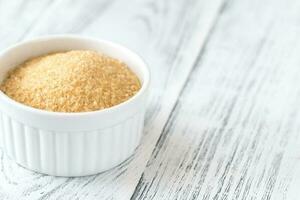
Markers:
(223, 119)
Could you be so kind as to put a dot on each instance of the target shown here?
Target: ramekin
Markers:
(71, 144)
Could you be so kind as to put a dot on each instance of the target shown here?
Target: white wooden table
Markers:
(223, 120)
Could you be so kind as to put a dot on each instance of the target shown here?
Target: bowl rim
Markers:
(26, 108)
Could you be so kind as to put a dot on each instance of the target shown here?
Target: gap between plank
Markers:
(221, 11)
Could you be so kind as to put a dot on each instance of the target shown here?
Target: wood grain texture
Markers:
(168, 35)
(234, 132)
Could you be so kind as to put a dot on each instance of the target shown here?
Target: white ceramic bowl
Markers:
(71, 144)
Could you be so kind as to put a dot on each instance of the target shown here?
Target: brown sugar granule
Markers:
(73, 81)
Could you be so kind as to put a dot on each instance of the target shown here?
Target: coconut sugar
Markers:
(73, 81)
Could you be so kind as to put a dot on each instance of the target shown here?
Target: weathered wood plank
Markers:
(169, 35)
(17, 17)
(234, 133)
